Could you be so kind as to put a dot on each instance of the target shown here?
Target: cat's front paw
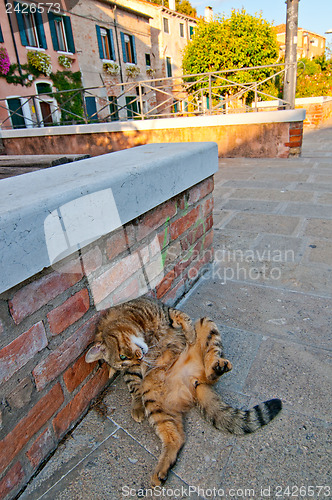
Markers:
(156, 480)
(138, 414)
(219, 368)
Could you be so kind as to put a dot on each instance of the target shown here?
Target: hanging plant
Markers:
(65, 61)
(40, 61)
(4, 61)
(111, 68)
(150, 72)
(132, 71)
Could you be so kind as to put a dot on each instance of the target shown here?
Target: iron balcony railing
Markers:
(189, 95)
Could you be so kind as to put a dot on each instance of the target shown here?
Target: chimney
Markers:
(208, 14)
(171, 4)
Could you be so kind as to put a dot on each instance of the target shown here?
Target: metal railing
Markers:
(189, 95)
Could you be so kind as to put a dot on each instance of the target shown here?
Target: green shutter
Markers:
(53, 31)
(20, 24)
(100, 45)
(124, 54)
(40, 30)
(69, 34)
(1, 36)
(133, 46)
(112, 44)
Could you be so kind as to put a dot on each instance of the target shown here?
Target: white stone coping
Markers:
(162, 123)
(49, 214)
(298, 102)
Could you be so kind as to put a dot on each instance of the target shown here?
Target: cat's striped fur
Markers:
(175, 373)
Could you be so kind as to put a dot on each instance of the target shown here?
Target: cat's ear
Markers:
(97, 351)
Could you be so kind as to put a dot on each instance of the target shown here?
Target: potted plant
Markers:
(132, 71)
(4, 61)
(40, 61)
(111, 68)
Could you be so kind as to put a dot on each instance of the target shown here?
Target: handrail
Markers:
(185, 95)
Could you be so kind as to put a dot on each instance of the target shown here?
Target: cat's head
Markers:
(118, 344)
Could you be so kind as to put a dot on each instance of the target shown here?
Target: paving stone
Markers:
(271, 194)
(308, 210)
(292, 451)
(294, 373)
(320, 228)
(250, 206)
(276, 224)
(320, 252)
(263, 311)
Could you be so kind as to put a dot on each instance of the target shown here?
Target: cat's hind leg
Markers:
(215, 363)
(170, 432)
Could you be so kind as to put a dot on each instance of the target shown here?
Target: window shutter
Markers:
(112, 44)
(69, 34)
(100, 45)
(53, 32)
(133, 46)
(123, 47)
(40, 30)
(1, 36)
(20, 23)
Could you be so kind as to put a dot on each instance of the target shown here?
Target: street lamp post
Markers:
(291, 53)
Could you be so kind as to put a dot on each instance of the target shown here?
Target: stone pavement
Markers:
(270, 292)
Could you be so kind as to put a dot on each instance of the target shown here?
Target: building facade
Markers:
(309, 44)
(114, 44)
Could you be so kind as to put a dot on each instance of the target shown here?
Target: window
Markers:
(91, 108)
(113, 108)
(165, 25)
(133, 107)
(15, 109)
(128, 48)
(30, 25)
(61, 32)
(105, 43)
(169, 66)
(191, 32)
(181, 30)
(148, 60)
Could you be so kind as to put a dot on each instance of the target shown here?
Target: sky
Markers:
(314, 15)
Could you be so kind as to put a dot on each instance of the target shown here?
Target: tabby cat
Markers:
(169, 366)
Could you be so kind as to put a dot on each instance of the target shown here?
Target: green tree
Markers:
(314, 78)
(240, 41)
(182, 6)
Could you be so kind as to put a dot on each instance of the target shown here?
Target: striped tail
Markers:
(233, 420)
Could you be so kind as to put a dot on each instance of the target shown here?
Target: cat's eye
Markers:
(123, 357)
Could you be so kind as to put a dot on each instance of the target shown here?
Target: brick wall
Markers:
(48, 321)
(317, 113)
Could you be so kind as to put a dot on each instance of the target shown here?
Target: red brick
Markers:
(13, 443)
(294, 139)
(21, 350)
(130, 291)
(38, 293)
(12, 479)
(208, 240)
(155, 218)
(175, 293)
(179, 226)
(102, 286)
(59, 359)
(92, 260)
(165, 284)
(207, 206)
(75, 375)
(293, 144)
(41, 448)
(119, 241)
(296, 131)
(70, 311)
(71, 413)
(200, 190)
